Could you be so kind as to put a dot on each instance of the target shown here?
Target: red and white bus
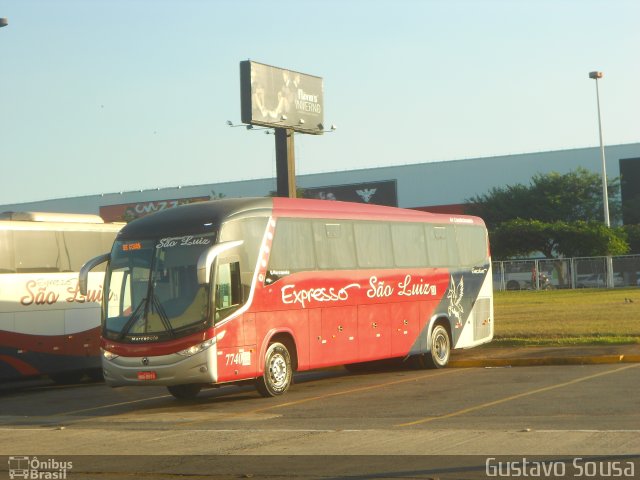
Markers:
(239, 289)
(46, 325)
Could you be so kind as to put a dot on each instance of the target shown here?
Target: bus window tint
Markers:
(472, 245)
(335, 246)
(441, 246)
(373, 245)
(36, 251)
(250, 231)
(228, 296)
(78, 247)
(6, 252)
(292, 248)
(409, 245)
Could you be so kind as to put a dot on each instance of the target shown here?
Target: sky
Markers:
(107, 96)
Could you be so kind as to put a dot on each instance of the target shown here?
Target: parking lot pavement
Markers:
(498, 356)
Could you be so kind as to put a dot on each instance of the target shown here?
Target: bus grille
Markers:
(481, 319)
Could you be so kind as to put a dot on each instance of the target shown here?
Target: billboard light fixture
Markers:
(333, 128)
(248, 127)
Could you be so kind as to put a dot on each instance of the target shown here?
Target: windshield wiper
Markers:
(162, 314)
(132, 319)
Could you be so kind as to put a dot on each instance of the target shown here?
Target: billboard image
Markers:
(125, 212)
(378, 193)
(280, 98)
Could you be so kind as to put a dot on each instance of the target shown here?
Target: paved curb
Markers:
(541, 361)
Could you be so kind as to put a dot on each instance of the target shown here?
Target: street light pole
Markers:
(605, 195)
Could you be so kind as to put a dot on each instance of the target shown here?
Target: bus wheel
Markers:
(438, 357)
(440, 348)
(96, 375)
(185, 392)
(278, 372)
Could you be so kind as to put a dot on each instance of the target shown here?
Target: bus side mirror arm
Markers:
(208, 257)
(83, 278)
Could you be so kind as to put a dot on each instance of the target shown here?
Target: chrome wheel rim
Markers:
(441, 347)
(278, 371)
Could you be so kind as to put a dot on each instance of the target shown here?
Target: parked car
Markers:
(598, 280)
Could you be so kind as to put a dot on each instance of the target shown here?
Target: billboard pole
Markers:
(285, 163)
(287, 101)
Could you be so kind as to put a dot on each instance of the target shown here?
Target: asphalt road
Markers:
(331, 418)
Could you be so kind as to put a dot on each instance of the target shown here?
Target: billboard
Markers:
(280, 98)
(377, 193)
(125, 212)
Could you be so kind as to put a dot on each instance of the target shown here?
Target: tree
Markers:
(520, 238)
(590, 239)
(299, 193)
(550, 197)
(216, 196)
(556, 215)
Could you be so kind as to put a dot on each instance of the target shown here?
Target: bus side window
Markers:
(6, 252)
(335, 245)
(228, 289)
(442, 247)
(409, 245)
(36, 251)
(373, 245)
(292, 249)
(472, 244)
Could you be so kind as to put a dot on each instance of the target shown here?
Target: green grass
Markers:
(567, 317)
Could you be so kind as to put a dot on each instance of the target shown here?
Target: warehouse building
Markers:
(436, 186)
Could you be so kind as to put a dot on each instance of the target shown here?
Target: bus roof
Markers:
(205, 217)
(309, 208)
(50, 217)
(195, 218)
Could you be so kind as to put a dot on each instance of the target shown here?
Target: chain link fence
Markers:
(583, 272)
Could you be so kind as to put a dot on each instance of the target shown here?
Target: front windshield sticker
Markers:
(185, 241)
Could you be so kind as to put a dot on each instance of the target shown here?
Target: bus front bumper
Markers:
(172, 369)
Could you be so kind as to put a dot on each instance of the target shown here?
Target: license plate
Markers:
(147, 375)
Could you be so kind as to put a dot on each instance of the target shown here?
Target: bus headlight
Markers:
(107, 355)
(201, 347)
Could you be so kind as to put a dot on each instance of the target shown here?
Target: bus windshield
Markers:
(153, 289)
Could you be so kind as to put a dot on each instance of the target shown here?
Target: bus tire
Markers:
(440, 348)
(185, 392)
(96, 375)
(278, 371)
(438, 356)
(67, 378)
(513, 285)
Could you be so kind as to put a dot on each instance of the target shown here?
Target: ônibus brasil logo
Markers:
(33, 468)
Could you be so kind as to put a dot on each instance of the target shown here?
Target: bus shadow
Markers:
(44, 403)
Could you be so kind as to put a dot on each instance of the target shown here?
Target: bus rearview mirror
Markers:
(83, 277)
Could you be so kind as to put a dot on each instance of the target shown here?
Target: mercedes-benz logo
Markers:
(145, 361)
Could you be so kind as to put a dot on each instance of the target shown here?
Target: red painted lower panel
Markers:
(22, 368)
